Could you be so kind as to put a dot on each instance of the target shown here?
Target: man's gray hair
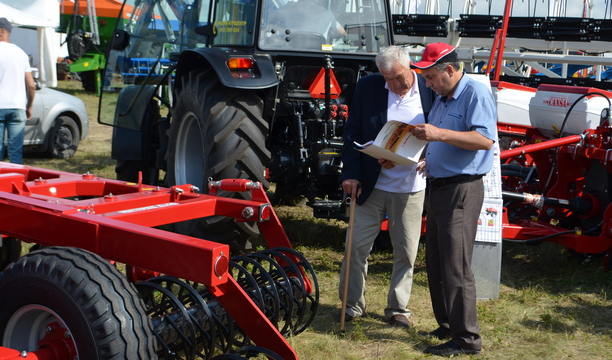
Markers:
(392, 55)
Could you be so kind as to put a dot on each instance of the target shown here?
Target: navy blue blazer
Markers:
(367, 115)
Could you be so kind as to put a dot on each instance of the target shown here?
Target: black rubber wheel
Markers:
(217, 133)
(10, 249)
(127, 170)
(88, 80)
(64, 138)
(79, 294)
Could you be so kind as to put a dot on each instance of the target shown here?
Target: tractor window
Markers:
(234, 22)
(148, 33)
(324, 25)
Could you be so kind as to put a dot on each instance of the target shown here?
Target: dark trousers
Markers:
(452, 219)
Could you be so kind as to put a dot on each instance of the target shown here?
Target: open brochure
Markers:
(396, 143)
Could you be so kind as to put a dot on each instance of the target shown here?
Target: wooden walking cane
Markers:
(347, 256)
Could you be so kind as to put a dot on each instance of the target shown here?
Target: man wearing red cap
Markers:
(461, 132)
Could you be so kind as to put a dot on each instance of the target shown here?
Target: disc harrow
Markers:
(180, 297)
(189, 323)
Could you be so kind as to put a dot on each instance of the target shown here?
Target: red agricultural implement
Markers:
(557, 188)
(557, 160)
(67, 298)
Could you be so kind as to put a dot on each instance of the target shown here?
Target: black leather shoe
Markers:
(440, 333)
(449, 349)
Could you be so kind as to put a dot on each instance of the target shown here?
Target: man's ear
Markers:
(450, 70)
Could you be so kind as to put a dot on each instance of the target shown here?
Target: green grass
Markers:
(552, 304)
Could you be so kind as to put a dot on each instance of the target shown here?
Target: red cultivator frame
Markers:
(84, 224)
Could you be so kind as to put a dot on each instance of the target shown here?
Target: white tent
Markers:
(37, 21)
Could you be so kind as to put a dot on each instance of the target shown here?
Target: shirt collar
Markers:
(460, 86)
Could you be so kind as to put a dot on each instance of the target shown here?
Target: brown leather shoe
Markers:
(400, 320)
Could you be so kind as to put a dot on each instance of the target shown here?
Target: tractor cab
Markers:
(150, 32)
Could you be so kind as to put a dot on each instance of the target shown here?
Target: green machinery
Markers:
(89, 26)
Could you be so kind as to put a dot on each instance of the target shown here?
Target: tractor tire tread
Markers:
(103, 293)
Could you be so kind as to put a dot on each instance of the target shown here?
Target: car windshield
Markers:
(324, 25)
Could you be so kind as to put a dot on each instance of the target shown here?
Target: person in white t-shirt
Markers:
(382, 187)
(17, 90)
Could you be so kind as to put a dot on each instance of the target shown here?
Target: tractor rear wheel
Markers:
(75, 302)
(217, 133)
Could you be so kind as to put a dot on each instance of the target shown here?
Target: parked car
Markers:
(59, 122)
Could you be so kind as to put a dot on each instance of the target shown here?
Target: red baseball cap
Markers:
(436, 53)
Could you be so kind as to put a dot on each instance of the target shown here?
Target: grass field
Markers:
(552, 304)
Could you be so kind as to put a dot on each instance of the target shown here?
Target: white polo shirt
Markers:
(407, 109)
(14, 64)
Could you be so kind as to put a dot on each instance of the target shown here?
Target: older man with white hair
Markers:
(382, 187)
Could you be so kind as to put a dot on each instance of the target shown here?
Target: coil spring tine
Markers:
(190, 323)
(226, 329)
(266, 285)
(298, 303)
(167, 296)
(222, 323)
(247, 282)
(311, 296)
(165, 347)
(226, 325)
(187, 295)
(285, 293)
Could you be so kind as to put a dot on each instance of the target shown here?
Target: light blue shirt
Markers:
(471, 107)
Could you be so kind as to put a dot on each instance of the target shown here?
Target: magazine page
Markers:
(396, 143)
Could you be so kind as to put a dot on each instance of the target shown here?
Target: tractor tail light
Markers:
(241, 63)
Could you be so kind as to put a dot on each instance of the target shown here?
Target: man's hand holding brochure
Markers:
(395, 143)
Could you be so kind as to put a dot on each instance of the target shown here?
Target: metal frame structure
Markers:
(116, 220)
(517, 60)
(560, 204)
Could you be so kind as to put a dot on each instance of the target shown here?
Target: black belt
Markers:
(457, 179)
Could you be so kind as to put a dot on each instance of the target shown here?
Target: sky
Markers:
(520, 7)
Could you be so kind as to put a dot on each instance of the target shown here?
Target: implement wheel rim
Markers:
(30, 324)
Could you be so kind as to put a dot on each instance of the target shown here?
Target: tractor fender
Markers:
(128, 140)
(216, 59)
